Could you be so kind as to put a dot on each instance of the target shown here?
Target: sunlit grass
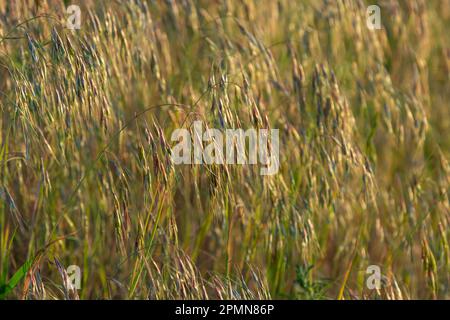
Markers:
(86, 176)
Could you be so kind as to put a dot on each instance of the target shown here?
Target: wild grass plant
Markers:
(87, 178)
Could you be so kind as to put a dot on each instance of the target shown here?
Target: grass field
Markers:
(87, 178)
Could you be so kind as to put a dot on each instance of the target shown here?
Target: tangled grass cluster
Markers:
(86, 176)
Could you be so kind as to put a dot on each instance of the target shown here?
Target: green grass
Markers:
(86, 176)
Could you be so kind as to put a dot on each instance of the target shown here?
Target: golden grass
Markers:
(86, 176)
